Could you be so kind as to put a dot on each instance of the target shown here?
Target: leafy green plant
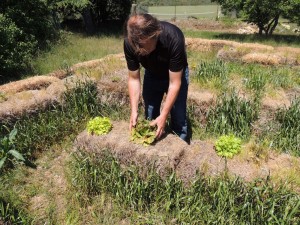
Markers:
(228, 145)
(99, 125)
(143, 133)
(8, 150)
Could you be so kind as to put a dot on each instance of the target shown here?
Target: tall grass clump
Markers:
(283, 77)
(10, 215)
(214, 73)
(232, 115)
(256, 82)
(287, 136)
(216, 200)
(49, 127)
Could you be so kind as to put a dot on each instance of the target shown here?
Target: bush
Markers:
(25, 27)
(15, 48)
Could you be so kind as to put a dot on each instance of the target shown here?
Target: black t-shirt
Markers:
(169, 54)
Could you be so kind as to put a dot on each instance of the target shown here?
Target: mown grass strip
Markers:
(206, 201)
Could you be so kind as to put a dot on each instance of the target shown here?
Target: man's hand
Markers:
(133, 120)
(160, 122)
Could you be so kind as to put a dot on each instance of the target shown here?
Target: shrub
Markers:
(15, 48)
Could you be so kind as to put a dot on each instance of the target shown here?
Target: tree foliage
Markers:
(264, 13)
(97, 11)
(25, 26)
(29, 25)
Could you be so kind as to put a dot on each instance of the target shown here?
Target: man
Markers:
(160, 48)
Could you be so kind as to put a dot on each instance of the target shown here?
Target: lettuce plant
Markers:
(143, 133)
(228, 145)
(99, 125)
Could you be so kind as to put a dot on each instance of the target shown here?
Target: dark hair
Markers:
(141, 27)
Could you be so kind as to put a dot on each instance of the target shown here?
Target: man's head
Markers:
(142, 33)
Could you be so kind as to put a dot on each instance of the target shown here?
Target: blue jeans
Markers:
(153, 92)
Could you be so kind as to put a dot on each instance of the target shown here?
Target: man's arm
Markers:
(174, 87)
(134, 87)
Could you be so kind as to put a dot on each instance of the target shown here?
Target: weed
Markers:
(256, 82)
(8, 150)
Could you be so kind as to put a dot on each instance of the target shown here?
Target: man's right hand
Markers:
(133, 120)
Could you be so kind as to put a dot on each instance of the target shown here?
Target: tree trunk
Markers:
(274, 25)
(88, 21)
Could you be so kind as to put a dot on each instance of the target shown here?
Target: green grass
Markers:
(264, 79)
(39, 132)
(232, 114)
(10, 214)
(205, 201)
(197, 11)
(75, 48)
(287, 137)
(102, 193)
(211, 74)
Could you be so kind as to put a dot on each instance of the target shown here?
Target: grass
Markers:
(264, 80)
(287, 137)
(75, 48)
(209, 11)
(100, 192)
(205, 201)
(41, 131)
(212, 74)
(232, 114)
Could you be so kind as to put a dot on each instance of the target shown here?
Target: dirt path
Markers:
(49, 203)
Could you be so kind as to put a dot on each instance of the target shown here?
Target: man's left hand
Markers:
(160, 122)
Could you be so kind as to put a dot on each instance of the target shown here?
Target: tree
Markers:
(264, 13)
(25, 27)
(93, 12)
(292, 11)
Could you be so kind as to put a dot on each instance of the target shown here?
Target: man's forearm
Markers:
(171, 98)
(174, 87)
(134, 87)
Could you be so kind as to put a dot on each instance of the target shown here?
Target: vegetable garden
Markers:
(70, 159)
